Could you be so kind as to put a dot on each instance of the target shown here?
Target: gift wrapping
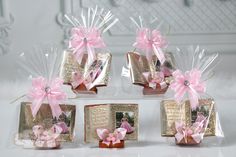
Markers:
(44, 118)
(139, 64)
(70, 65)
(110, 116)
(172, 112)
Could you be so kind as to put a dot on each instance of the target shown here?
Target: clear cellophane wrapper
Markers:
(86, 62)
(101, 65)
(41, 66)
(149, 65)
(186, 124)
(26, 136)
(139, 66)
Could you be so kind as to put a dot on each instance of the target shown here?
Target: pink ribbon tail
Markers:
(56, 110)
(159, 53)
(79, 52)
(193, 98)
(36, 104)
(149, 55)
(91, 55)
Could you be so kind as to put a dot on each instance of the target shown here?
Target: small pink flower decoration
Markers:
(190, 83)
(46, 138)
(115, 137)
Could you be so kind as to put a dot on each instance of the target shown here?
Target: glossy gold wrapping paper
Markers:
(105, 116)
(69, 65)
(171, 112)
(44, 117)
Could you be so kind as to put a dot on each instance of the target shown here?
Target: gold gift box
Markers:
(109, 116)
(172, 112)
(44, 117)
(70, 65)
(139, 64)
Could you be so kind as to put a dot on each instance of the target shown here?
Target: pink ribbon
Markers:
(115, 137)
(46, 138)
(151, 41)
(85, 39)
(51, 91)
(189, 82)
(78, 78)
(156, 78)
(196, 131)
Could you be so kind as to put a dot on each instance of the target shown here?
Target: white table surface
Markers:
(150, 142)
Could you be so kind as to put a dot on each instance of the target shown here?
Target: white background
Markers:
(211, 23)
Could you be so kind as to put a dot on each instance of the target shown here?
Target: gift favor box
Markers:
(44, 118)
(111, 117)
(172, 112)
(92, 76)
(143, 73)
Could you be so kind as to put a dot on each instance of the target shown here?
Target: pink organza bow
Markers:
(196, 131)
(156, 78)
(151, 41)
(43, 90)
(85, 39)
(46, 138)
(189, 82)
(115, 137)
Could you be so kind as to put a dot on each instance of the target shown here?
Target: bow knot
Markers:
(85, 40)
(186, 83)
(111, 137)
(47, 89)
(151, 41)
